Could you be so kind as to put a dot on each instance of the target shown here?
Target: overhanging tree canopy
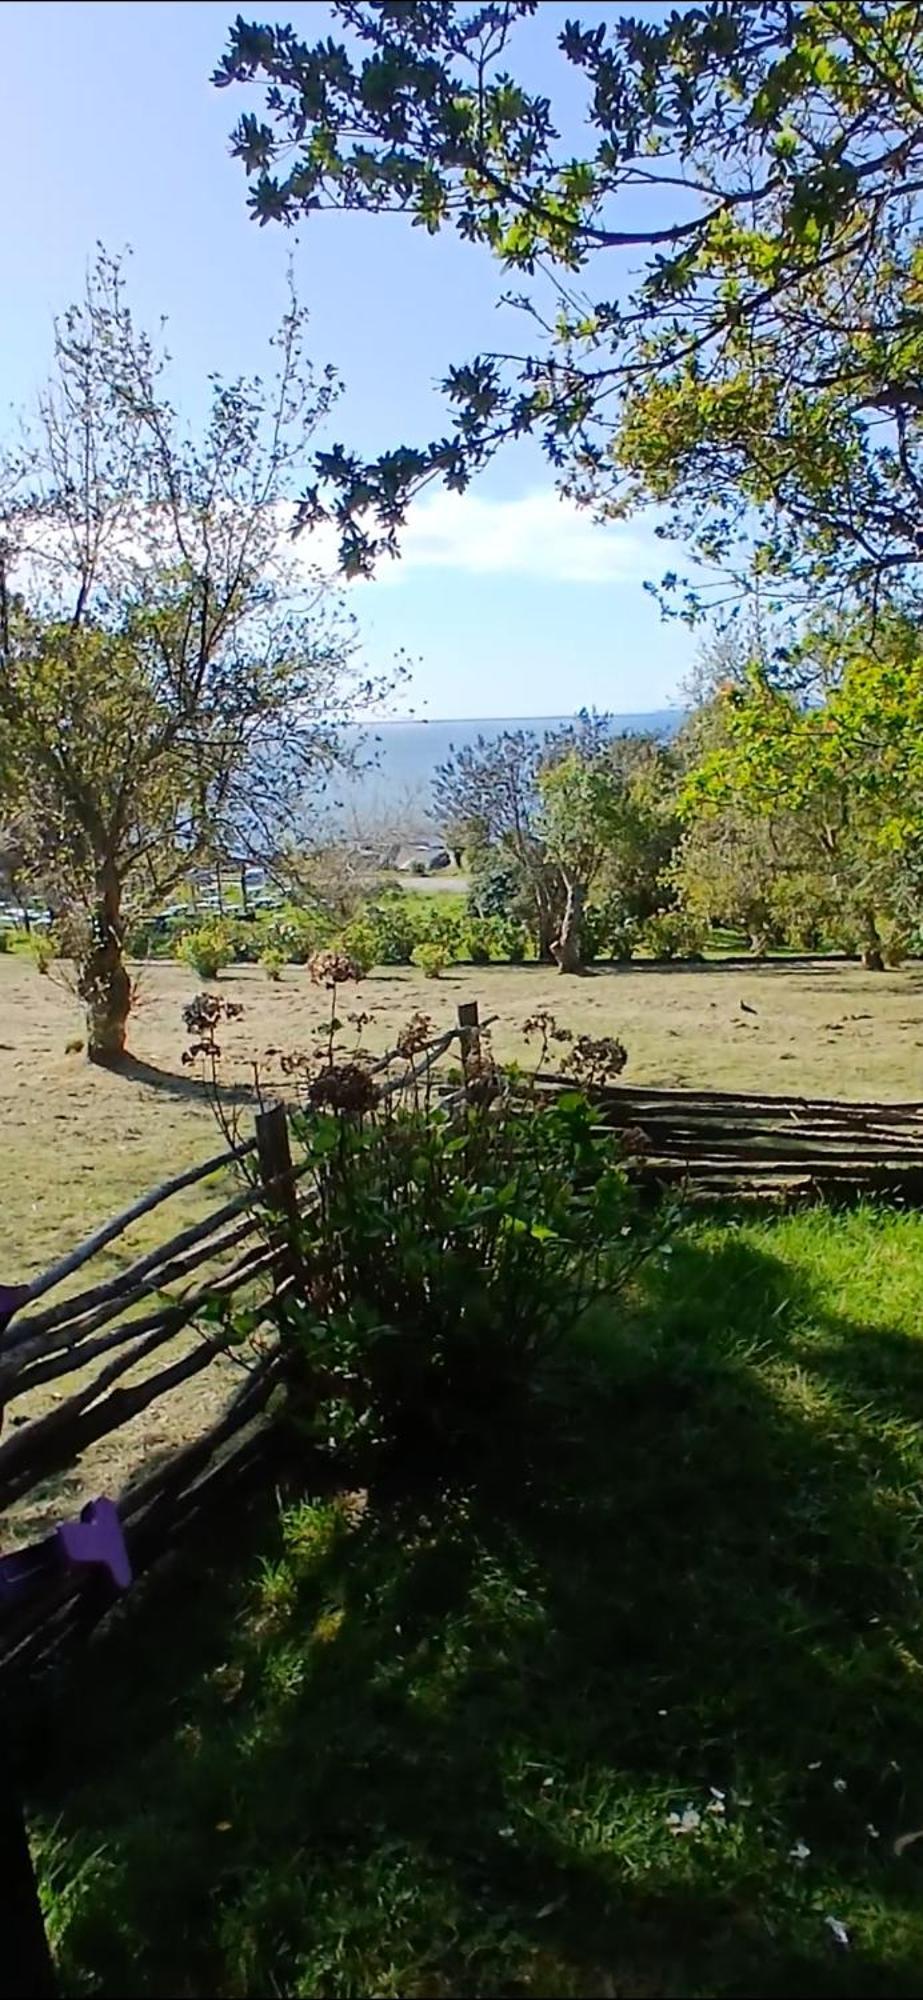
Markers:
(735, 258)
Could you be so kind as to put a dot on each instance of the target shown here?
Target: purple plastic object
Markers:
(94, 1541)
(96, 1538)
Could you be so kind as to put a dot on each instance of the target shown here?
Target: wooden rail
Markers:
(726, 1143)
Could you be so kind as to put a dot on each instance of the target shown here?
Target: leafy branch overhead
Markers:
(724, 285)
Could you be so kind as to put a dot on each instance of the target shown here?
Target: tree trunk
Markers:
(872, 956)
(219, 888)
(566, 947)
(244, 898)
(104, 985)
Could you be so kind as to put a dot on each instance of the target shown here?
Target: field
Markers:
(78, 1143)
(635, 1712)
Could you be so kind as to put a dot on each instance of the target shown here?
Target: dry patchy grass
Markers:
(79, 1143)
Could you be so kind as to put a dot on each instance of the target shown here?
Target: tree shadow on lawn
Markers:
(436, 1750)
(183, 1086)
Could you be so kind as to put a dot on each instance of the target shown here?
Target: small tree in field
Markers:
(583, 804)
(168, 679)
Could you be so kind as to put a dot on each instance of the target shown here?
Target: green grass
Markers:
(434, 1747)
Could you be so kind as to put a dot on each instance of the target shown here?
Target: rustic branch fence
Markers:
(719, 1144)
(123, 1343)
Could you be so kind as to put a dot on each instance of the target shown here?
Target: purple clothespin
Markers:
(96, 1539)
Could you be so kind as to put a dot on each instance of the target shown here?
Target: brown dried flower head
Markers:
(334, 968)
(416, 1034)
(597, 1059)
(343, 1087)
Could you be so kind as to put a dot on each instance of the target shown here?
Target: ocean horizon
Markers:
(402, 754)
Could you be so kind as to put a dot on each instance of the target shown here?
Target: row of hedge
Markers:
(399, 930)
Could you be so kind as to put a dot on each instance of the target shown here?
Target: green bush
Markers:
(272, 963)
(430, 958)
(444, 927)
(478, 940)
(296, 934)
(496, 889)
(396, 927)
(6, 940)
(673, 934)
(43, 951)
(360, 942)
(444, 1257)
(607, 932)
(208, 950)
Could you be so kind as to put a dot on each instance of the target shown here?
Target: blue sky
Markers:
(507, 603)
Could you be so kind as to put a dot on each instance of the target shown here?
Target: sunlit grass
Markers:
(640, 1711)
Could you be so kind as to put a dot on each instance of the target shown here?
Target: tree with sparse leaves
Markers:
(724, 284)
(169, 682)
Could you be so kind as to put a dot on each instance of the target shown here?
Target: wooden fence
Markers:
(123, 1343)
(720, 1143)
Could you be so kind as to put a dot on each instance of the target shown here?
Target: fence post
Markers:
(275, 1162)
(468, 1034)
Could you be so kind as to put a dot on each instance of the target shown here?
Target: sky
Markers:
(507, 601)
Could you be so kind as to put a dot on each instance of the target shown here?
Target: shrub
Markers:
(607, 932)
(431, 958)
(207, 950)
(360, 943)
(272, 963)
(673, 934)
(6, 939)
(478, 940)
(512, 940)
(296, 934)
(42, 951)
(444, 1257)
(495, 889)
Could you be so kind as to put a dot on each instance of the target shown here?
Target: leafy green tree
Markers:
(752, 183)
(582, 810)
(844, 776)
(487, 794)
(169, 681)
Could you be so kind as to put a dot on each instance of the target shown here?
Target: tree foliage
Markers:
(829, 794)
(169, 681)
(723, 285)
(551, 817)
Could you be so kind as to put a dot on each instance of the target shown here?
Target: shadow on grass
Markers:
(433, 1746)
(179, 1084)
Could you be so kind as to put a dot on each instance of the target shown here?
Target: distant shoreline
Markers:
(623, 717)
(393, 790)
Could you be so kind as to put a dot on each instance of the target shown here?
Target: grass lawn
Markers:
(639, 1712)
(79, 1144)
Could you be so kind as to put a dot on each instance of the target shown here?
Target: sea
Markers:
(400, 758)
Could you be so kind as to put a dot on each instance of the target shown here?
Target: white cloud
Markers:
(537, 535)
